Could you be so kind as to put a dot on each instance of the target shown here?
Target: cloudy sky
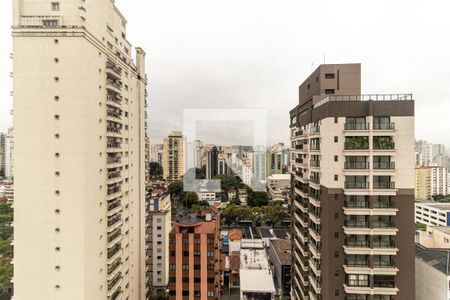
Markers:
(255, 53)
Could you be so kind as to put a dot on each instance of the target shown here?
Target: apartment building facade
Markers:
(159, 224)
(194, 257)
(173, 156)
(352, 166)
(79, 153)
(432, 213)
(431, 181)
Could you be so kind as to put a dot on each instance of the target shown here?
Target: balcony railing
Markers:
(357, 263)
(111, 252)
(114, 235)
(113, 190)
(356, 224)
(314, 179)
(113, 160)
(113, 66)
(113, 113)
(113, 205)
(114, 266)
(387, 244)
(384, 165)
(356, 204)
(314, 163)
(114, 281)
(383, 224)
(356, 126)
(356, 243)
(41, 21)
(113, 129)
(383, 204)
(315, 146)
(114, 83)
(356, 185)
(356, 165)
(384, 185)
(314, 129)
(384, 126)
(113, 145)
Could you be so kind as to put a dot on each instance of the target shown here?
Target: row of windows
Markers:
(186, 267)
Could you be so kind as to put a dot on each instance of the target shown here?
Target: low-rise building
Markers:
(432, 213)
(432, 273)
(434, 237)
(256, 280)
(280, 256)
(243, 196)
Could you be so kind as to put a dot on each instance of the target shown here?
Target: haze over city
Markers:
(253, 54)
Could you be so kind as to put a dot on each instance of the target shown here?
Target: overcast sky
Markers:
(255, 53)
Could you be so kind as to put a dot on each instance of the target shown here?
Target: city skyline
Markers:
(258, 59)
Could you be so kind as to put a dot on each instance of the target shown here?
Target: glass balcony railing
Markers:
(314, 163)
(356, 204)
(356, 185)
(383, 224)
(384, 126)
(356, 224)
(356, 243)
(356, 126)
(384, 185)
(384, 165)
(356, 165)
(357, 263)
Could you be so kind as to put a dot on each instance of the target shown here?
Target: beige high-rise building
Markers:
(173, 156)
(430, 181)
(79, 135)
(352, 166)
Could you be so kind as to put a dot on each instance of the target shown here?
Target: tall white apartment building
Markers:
(2, 153)
(352, 166)
(431, 181)
(79, 153)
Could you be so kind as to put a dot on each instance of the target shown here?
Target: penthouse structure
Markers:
(352, 169)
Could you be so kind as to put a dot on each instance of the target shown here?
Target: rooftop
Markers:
(435, 205)
(279, 177)
(257, 281)
(282, 249)
(437, 258)
(365, 97)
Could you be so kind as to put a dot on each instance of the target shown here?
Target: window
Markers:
(210, 267)
(336, 139)
(329, 91)
(336, 158)
(336, 177)
(172, 266)
(358, 280)
(185, 267)
(210, 293)
(329, 75)
(55, 6)
(336, 120)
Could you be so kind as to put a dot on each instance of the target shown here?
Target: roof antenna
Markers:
(324, 58)
(312, 67)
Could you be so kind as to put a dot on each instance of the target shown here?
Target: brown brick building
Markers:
(194, 257)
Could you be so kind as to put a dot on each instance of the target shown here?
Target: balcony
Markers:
(383, 143)
(314, 179)
(384, 126)
(384, 165)
(114, 281)
(355, 243)
(113, 145)
(114, 113)
(314, 147)
(388, 264)
(114, 266)
(353, 165)
(356, 143)
(356, 224)
(113, 175)
(114, 160)
(356, 203)
(382, 185)
(116, 84)
(113, 251)
(314, 130)
(356, 126)
(361, 185)
(357, 263)
(112, 66)
(383, 224)
(114, 98)
(41, 21)
(314, 163)
(114, 129)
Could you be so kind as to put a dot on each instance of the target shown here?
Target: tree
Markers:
(6, 273)
(155, 169)
(227, 182)
(200, 173)
(176, 189)
(191, 199)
